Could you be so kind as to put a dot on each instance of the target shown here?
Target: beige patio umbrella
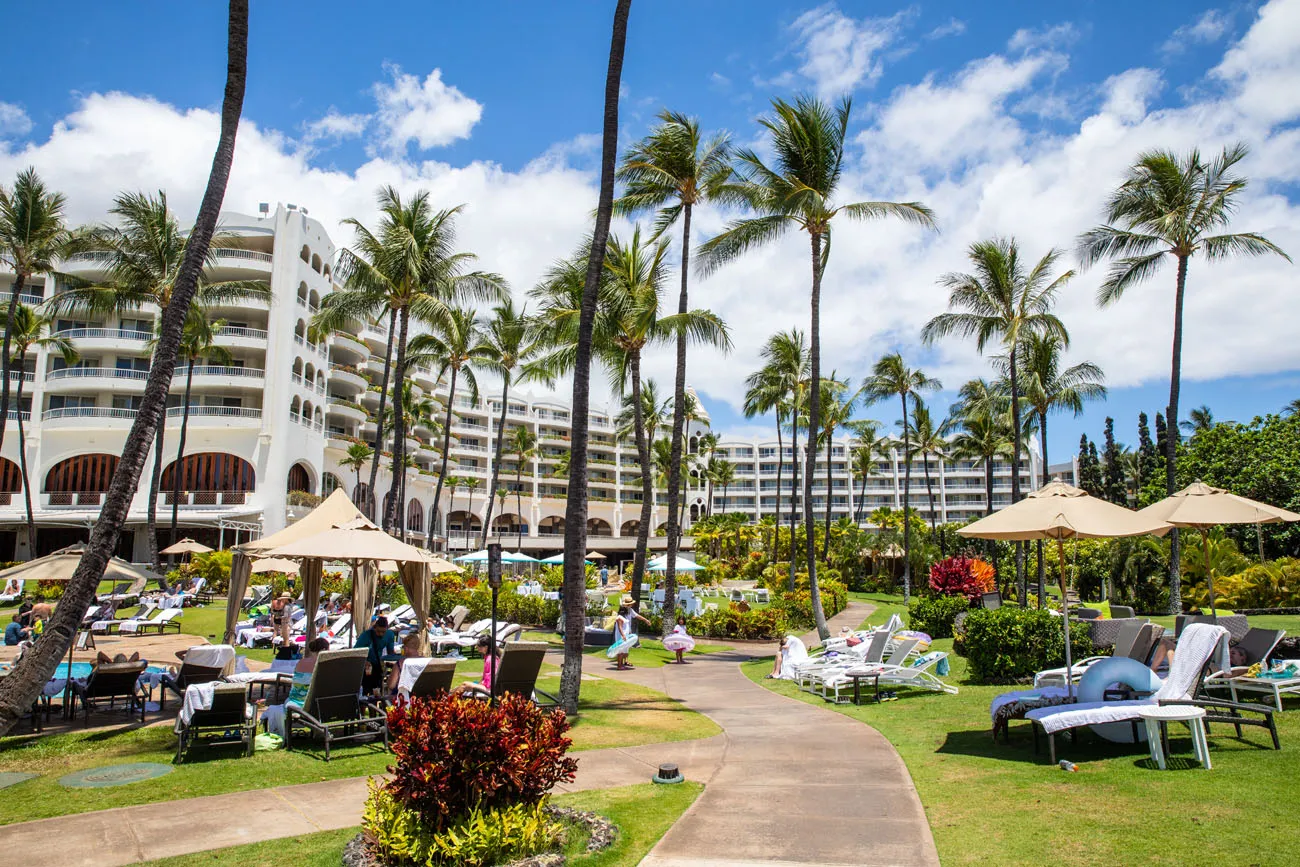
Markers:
(594, 555)
(1201, 507)
(60, 565)
(1060, 511)
(186, 546)
(275, 564)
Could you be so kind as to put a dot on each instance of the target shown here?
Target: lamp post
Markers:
(494, 581)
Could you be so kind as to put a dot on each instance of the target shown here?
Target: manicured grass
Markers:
(886, 605)
(651, 653)
(643, 814)
(612, 714)
(996, 803)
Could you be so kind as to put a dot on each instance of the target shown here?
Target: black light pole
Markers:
(494, 581)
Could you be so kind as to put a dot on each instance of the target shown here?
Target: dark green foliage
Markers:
(1090, 478)
(1162, 436)
(1009, 644)
(1148, 461)
(1113, 469)
(934, 615)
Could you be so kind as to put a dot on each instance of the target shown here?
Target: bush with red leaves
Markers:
(456, 754)
(960, 576)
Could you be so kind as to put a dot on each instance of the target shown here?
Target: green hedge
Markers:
(934, 615)
(1008, 644)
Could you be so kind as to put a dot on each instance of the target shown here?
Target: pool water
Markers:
(82, 670)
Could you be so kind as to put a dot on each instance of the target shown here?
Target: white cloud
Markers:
(1058, 36)
(14, 122)
(334, 126)
(1211, 26)
(1128, 93)
(841, 53)
(429, 113)
(954, 27)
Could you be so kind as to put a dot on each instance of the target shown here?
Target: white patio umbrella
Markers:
(660, 564)
(1060, 511)
(186, 546)
(1201, 506)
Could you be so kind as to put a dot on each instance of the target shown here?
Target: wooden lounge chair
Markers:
(230, 720)
(190, 674)
(110, 682)
(333, 707)
(521, 662)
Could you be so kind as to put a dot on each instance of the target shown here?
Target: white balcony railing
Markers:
(253, 412)
(216, 370)
(207, 499)
(27, 376)
(97, 373)
(246, 255)
(103, 412)
(31, 300)
(241, 331)
(104, 334)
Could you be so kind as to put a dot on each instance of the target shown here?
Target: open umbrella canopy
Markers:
(660, 564)
(595, 555)
(506, 557)
(1200, 505)
(186, 546)
(336, 511)
(60, 565)
(558, 560)
(353, 542)
(1061, 511)
(275, 564)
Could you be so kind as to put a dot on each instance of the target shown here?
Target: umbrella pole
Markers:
(1205, 549)
(1065, 619)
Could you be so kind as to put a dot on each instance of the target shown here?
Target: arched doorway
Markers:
(509, 524)
(210, 479)
(551, 526)
(629, 528)
(329, 483)
(415, 516)
(364, 499)
(11, 481)
(299, 479)
(599, 527)
(80, 480)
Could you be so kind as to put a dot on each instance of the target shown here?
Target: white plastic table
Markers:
(1193, 716)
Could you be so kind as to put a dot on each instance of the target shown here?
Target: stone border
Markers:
(601, 830)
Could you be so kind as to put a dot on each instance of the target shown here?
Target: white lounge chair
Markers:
(106, 626)
(819, 673)
(841, 677)
(166, 619)
(917, 674)
(13, 592)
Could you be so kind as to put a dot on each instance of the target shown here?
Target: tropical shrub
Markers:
(934, 615)
(1263, 585)
(303, 498)
(456, 755)
(758, 623)
(50, 591)
(1007, 644)
(961, 576)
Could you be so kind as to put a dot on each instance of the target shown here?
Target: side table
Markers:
(857, 685)
(1157, 719)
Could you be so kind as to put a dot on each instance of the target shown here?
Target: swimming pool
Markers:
(81, 670)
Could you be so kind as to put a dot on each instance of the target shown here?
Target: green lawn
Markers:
(612, 714)
(651, 653)
(996, 803)
(643, 814)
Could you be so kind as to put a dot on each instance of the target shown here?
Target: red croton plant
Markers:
(455, 754)
(961, 576)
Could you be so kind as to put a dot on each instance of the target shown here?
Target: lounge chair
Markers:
(13, 592)
(333, 707)
(811, 672)
(106, 624)
(841, 676)
(917, 674)
(110, 682)
(1086, 613)
(1120, 612)
(521, 662)
(203, 663)
(1236, 624)
(1196, 647)
(260, 594)
(465, 638)
(1136, 640)
(169, 618)
(227, 718)
(426, 678)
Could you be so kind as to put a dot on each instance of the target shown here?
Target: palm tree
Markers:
(1001, 301)
(523, 446)
(863, 461)
(838, 406)
(31, 329)
(927, 440)
(721, 472)
(33, 236)
(358, 454)
(798, 191)
(672, 170)
(889, 378)
(198, 340)
(147, 252)
(781, 385)
(511, 340)
(1199, 420)
(1171, 205)
(982, 414)
(470, 484)
(457, 346)
(33, 671)
(1049, 389)
(1292, 408)
(642, 416)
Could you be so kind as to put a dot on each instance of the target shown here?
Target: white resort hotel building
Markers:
(269, 425)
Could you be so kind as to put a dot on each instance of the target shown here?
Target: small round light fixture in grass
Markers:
(114, 775)
(668, 774)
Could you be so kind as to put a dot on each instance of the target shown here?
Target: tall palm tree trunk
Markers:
(907, 504)
(519, 503)
(22, 465)
(155, 482)
(1021, 584)
(675, 450)
(496, 460)
(647, 482)
(20, 279)
(29, 675)
(1046, 477)
(399, 427)
(180, 447)
(862, 501)
(814, 426)
(780, 463)
(383, 400)
(826, 539)
(929, 491)
(1171, 439)
(794, 490)
(575, 512)
(446, 453)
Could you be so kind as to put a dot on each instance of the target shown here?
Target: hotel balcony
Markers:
(346, 349)
(345, 410)
(239, 337)
(115, 339)
(343, 378)
(76, 379)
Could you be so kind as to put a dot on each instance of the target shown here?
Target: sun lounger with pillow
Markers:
(106, 625)
(841, 677)
(169, 618)
(333, 708)
(203, 663)
(218, 713)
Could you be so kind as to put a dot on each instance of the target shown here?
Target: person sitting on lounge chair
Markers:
(790, 652)
(410, 650)
(490, 663)
(381, 642)
(103, 658)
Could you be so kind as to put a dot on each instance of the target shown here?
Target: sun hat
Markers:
(627, 600)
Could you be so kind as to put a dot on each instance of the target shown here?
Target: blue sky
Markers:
(1014, 120)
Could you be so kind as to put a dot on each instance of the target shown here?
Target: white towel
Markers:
(411, 671)
(198, 696)
(794, 655)
(210, 655)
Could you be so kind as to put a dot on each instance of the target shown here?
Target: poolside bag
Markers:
(267, 741)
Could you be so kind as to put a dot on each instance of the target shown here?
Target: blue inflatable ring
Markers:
(1122, 670)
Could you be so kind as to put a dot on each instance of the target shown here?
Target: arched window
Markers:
(329, 483)
(302, 290)
(415, 516)
(306, 410)
(309, 373)
(295, 407)
(315, 262)
(212, 471)
(509, 524)
(551, 526)
(599, 527)
(327, 270)
(300, 330)
(297, 366)
(314, 299)
(305, 255)
(462, 521)
(364, 499)
(629, 528)
(83, 474)
(11, 477)
(299, 479)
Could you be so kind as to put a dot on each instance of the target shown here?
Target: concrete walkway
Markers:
(788, 784)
